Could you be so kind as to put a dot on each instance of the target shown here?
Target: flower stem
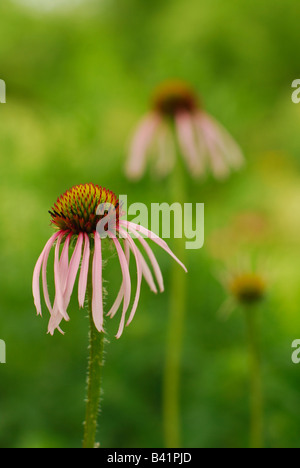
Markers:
(96, 349)
(171, 383)
(256, 403)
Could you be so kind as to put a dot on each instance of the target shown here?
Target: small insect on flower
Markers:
(83, 216)
(204, 142)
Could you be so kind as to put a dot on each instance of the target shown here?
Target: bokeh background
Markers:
(79, 76)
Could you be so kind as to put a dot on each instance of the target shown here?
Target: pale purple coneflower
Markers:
(247, 288)
(75, 217)
(203, 142)
(83, 216)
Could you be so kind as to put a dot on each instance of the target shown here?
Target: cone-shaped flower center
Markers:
(173, 97)
(77, 210)
(248, 288)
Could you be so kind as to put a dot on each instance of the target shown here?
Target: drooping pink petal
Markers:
(126, 248)
(57, 279)
(166, 153)
(147, 272)
(222, 138)
(84, 272)
(139, 277)
(36, 284)
(54, 321)
(152, 258)
(141, 142)
(73, 270)
(56, 316)
(151, 235)
(37, 271)
(97, 300)
(68, 284)
(187, 140)
(64, 262)
(44, 271)
(217, 161)
(115, 307)
(126, 282)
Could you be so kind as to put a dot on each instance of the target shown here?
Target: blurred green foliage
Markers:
(78, 80)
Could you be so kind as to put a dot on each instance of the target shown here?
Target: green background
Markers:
(78, 80)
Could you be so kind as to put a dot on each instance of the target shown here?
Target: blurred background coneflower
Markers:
(247, 289)
(205, 145)
(177, 130)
